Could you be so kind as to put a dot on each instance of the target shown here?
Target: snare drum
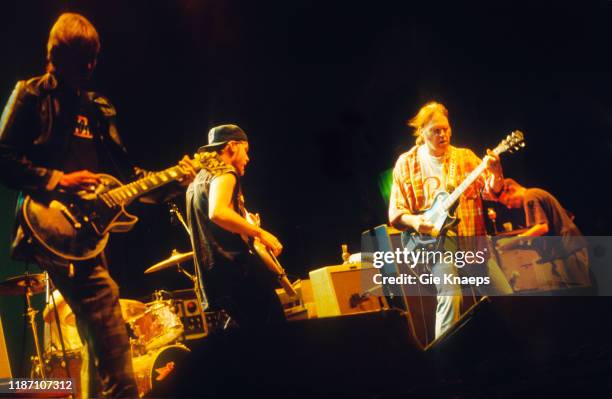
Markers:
(158, 326)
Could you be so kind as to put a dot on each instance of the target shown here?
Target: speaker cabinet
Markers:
(416, 300)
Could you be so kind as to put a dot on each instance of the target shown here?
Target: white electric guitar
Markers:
(439, 214)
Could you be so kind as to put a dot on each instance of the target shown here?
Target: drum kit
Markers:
(155, 329)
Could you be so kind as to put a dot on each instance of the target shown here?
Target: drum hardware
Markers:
(175, 259)
(157, 326)
(150, 369)
(153, 343)
(28, 285)
(131, 308)
(20, 285)
(189, 309)
(194, 323)
(219, 320)
(60, 334)
(175, 214)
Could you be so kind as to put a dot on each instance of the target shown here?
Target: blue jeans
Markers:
(448, 308)
(449, 296)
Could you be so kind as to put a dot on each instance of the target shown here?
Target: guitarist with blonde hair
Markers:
(235, 279)
(430, 166)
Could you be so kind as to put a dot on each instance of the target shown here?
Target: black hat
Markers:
(219, 135)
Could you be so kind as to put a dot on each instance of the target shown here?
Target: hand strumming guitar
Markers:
(271, 242)
(79, 180)
(418, 223)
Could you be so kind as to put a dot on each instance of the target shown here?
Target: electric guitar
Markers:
(267, 257)
(439, 214)
(76, 227)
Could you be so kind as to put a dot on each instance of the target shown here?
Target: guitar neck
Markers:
(512, 142)
(129, 192)
(454, 196)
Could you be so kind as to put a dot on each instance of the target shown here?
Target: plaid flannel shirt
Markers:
(407, 194)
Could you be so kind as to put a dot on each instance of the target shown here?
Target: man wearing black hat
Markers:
(234, 278)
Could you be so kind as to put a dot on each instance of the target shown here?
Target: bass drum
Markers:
(155, 368)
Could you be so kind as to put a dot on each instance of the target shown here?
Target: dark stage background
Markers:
(324, 89)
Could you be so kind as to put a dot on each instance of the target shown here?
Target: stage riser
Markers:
(511, 346)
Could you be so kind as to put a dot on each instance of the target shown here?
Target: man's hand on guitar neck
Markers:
(79, 181)
(494, 166)
(189, 170)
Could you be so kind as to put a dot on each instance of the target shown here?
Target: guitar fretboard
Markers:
(127, 193)
(454, 196)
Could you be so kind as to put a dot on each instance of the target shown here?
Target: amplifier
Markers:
(189, 309)
(345, 289)
(301, 306)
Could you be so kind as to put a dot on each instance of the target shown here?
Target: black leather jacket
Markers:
(34, 138)
(35, 134)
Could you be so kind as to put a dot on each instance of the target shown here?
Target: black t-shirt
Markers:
(83, 139)
(563, 237)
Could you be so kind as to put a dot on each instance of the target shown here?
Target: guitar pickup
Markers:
(66, 213)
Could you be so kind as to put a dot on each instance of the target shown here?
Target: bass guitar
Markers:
(267, 257)
(76, 227)
(439, 214)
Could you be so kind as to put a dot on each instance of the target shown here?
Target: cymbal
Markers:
(17, 285)
(174, 259)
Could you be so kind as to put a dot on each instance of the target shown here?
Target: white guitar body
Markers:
(439, 212)
(437, 215)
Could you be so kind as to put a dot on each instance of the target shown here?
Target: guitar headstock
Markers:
(253, 218)
(208, 160)
(512, 143)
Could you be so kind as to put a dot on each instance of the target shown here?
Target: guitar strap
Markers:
(241, 208)
(452, 171)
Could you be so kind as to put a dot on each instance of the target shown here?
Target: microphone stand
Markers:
(196, 278)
